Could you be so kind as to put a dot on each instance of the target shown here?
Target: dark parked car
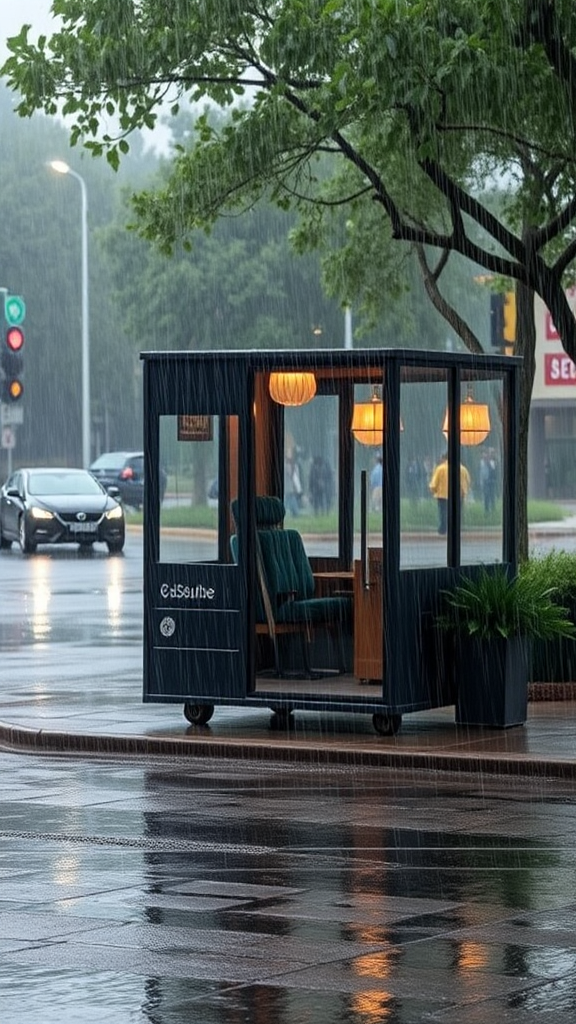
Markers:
(124, 470)
(58, 506)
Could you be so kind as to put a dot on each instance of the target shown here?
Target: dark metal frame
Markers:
(224, 383)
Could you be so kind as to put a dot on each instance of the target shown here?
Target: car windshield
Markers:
(62, 483)
(112, 460)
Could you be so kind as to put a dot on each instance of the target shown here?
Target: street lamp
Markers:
(63, 168)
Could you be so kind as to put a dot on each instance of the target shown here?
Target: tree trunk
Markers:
(525, 347)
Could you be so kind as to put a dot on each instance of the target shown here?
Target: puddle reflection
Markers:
(41, 595)
(115, 579)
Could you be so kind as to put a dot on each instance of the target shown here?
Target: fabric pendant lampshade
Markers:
(474, 421)
(368, 421)
(292, 387)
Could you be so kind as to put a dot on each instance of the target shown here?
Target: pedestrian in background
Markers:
(321, 485)
(488, 479)
(439, 488)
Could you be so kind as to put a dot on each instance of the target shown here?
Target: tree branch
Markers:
(440, 303)
(565, 259)
(473, 208)
(541, 26)
(557, 225)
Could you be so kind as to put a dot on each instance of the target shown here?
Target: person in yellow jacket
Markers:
(439, 488)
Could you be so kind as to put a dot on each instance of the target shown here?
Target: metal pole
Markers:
(8, 450)
(348, 341)
(85, 329)
(63, 168)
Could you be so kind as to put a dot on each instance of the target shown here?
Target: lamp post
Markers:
(63, 168)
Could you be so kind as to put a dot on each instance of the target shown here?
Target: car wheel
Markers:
(115, 546)
(4, 542)
(28, 548)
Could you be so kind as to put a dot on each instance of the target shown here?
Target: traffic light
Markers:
(503, 321)
(510, 318)
(12, 365)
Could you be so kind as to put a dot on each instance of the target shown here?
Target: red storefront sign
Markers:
(559, 369)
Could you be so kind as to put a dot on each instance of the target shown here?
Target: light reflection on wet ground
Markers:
(224, 891)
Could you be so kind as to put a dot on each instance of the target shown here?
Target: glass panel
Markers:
(482, 453)
(311, 473)
(189, 512)
(423, 477)
(367, 429)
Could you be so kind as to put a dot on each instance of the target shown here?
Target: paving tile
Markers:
(270, 948)
(33, 926)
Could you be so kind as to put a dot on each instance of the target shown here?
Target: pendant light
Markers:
(474, 421)
(368, 421)
(292, 387)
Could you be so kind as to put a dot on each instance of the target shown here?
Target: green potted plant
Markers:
(554, 659)
(493, 619)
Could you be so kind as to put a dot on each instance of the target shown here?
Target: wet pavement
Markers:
(238, 873)
(95, 719)
(224, 890)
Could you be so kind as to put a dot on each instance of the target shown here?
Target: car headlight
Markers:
(40, 513)
(115, 513)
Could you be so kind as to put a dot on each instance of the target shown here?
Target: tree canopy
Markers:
(418, 104)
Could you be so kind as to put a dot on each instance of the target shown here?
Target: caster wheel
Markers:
(281, 718)
(387, 725)
(198, 714)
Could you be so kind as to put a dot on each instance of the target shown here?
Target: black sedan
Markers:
(58, 506)
(125, 470)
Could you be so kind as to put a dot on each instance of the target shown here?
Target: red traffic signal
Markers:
(15, 339)
(11, 365)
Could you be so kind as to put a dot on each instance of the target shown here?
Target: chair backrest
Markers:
(269, 511)
(283, 561)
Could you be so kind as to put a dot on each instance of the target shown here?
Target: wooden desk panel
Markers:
(330, 584)
(368, 662)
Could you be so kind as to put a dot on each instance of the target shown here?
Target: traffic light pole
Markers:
(11, 415)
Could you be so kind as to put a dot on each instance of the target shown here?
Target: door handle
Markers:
(364, 529)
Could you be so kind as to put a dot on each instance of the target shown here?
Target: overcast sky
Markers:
(37, 14)
(25, 12)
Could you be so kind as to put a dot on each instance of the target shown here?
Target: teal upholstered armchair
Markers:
(286, 604)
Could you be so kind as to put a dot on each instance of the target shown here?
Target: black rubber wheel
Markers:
(27, 547)
(4, 542)
(115, 547)
(387, 725)
(198, 714)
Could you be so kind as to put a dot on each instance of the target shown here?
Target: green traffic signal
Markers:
(14, 310)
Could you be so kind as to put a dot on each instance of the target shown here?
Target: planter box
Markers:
(492, 681)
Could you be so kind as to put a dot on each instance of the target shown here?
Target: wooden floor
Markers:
(328, 685)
